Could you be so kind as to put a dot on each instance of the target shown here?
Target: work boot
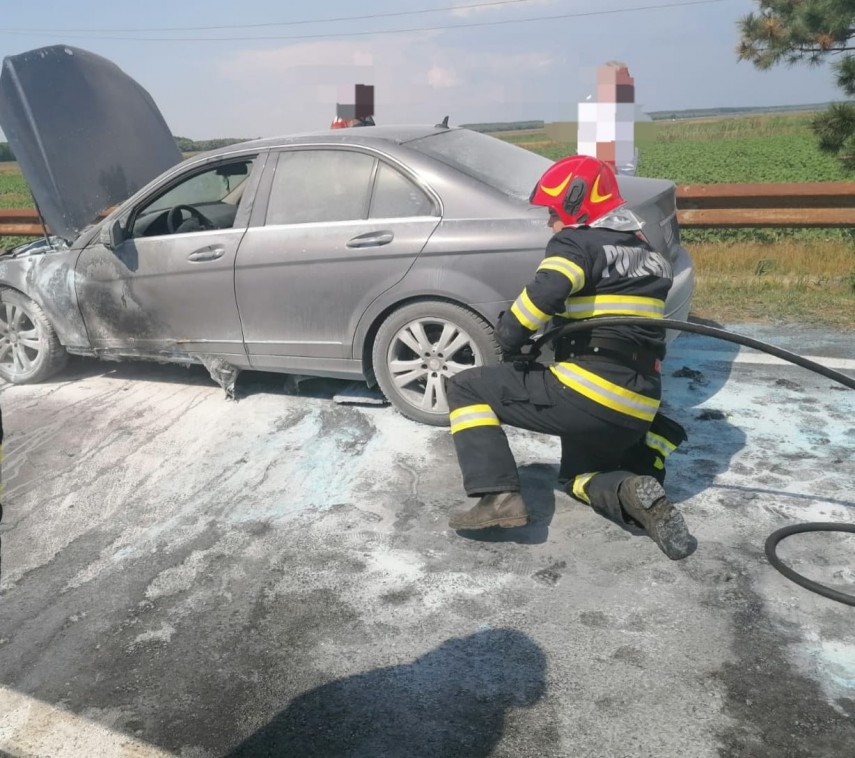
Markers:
(644, 500)
(505, 509)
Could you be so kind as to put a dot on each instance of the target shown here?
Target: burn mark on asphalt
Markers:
(787, 384)
(631, 655)
(398, 597)
(595, 619)
(290, 420)
(698, 380)
(408, 514)
(613, 705)
(551, 574)
(688, 373)
(351, 429)
(780, 712)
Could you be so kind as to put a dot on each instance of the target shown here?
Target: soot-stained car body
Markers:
(384, 252)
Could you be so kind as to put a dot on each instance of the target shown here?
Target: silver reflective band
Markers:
(605, 307)
(597, 389)
(660, 444)
(527, 312)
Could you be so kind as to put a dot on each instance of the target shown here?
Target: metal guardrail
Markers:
(20, 222)
(734, 206)
(699, 206)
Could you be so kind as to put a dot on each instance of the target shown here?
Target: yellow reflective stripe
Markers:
(481, 408)
(614, 305)
(579, 484)
(574, 273)
(528, 314)
(471, 416)
(659, 463)
(604, 392)
(659, 444)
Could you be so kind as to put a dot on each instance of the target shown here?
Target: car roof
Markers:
(355, 135)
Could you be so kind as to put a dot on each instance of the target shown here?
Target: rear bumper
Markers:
(679, 300)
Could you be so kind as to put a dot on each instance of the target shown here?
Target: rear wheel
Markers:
(30, 351)
(419, 346)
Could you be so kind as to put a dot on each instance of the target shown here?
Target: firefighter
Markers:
(601, 396)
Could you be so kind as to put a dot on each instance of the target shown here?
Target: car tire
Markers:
(419, 344)
(30, 350)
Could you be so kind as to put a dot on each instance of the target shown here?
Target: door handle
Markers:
(210, 253)
(372, 239)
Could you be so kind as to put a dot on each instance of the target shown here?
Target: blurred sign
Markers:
(358, 113)
(606, 127)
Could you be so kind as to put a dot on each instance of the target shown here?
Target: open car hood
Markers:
(85, 134)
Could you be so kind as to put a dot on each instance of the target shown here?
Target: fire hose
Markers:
(537, 345)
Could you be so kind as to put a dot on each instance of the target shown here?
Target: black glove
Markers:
(509, 351)
(521, 356)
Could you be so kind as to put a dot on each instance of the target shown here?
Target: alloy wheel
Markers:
(422, 354)
(20, 341)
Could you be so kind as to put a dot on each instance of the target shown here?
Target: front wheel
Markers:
(419, 346)
(30, 350)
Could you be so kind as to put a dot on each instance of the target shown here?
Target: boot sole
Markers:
(505, 523)
(664, 523)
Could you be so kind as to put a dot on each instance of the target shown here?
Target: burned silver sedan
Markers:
(383, 253)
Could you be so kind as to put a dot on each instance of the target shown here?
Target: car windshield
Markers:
(508, 168)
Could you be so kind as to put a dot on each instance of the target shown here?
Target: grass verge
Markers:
(791, 282)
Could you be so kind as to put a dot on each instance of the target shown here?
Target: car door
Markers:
(168, 288)
(340, 227)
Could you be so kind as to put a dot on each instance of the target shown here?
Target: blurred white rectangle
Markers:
(588, 112)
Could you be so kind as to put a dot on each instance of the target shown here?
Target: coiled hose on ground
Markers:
(772, 541)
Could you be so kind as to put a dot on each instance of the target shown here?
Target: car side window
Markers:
(320, 185)
(395, 196)
(206, 200)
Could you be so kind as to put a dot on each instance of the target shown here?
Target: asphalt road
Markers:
(184, 575)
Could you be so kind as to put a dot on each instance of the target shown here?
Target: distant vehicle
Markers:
(384, 253)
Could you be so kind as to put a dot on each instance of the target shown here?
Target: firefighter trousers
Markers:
(596, 456)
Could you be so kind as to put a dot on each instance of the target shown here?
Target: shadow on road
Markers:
(450, 702)
(690, 385)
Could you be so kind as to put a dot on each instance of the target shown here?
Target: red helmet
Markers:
(579, 189)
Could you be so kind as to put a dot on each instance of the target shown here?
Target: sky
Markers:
(505, 61)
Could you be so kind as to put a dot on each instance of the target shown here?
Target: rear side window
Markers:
(320, 185)
(395, 196)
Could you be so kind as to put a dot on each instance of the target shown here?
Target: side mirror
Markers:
(112, 235)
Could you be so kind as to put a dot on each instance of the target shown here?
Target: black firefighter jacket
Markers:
(590, 273)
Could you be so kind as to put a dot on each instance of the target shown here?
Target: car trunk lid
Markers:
(655, 202)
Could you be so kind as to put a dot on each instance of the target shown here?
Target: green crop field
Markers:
(737, 149)
(13, 188)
